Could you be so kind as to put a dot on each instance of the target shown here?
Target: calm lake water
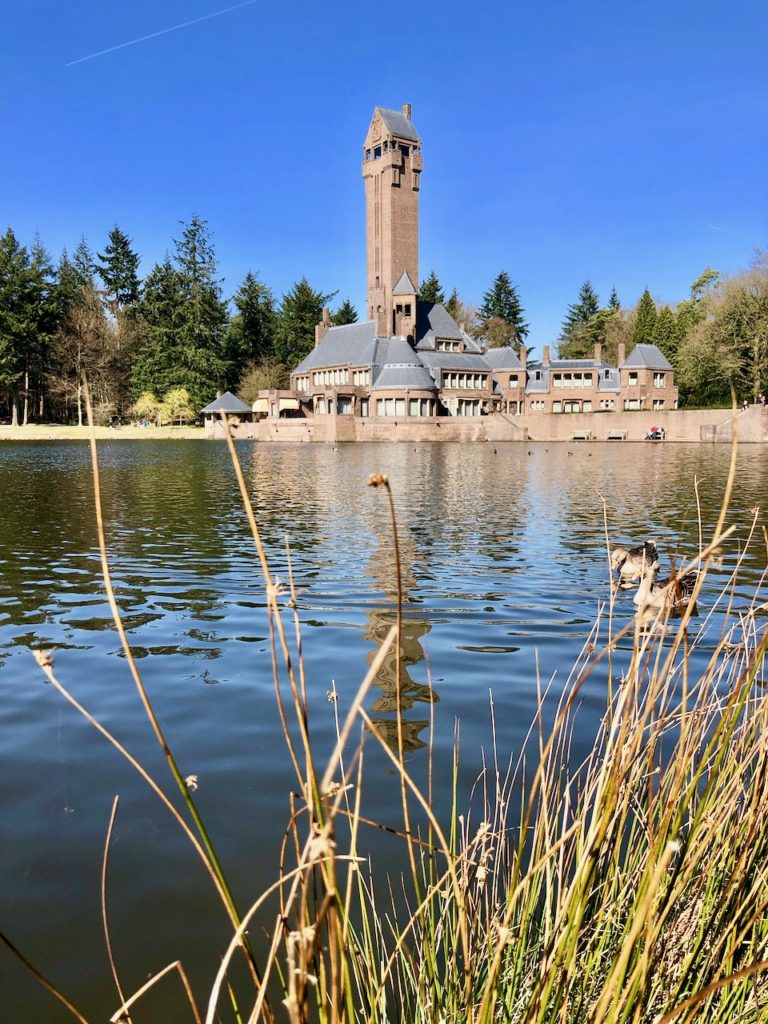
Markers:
(504, 568)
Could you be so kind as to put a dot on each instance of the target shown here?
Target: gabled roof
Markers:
(648, 356)
(404, 286)
(398, 123)
(434, 321)
(228, 403)
(348, 344)
(503, 358)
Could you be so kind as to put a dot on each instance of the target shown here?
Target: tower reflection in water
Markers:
(384, 709)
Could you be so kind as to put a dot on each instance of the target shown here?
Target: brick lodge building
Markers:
(411, 360)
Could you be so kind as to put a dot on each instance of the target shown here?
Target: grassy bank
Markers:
(58, 432)
(629, 889)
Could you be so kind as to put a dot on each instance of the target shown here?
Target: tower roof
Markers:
(404, 286)
(398, 124)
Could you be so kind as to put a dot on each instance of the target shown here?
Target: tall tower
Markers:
(392, 167)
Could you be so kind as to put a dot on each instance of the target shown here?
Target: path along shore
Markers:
(57, 432)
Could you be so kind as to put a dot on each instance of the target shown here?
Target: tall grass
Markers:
(632, 887)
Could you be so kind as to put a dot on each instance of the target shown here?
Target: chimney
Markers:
(463, 327)
(523, 354)
(407, 110)
(598, 353)
(545, 356)
(622, 353)
(324, 326)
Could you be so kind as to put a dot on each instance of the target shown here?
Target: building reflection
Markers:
(413, 695)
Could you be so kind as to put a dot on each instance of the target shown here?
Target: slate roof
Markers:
(398, 376)
(346, 345)
(398, 124)
(434, 321)
(228, 403)
(455, 360)
(647, 356)
(505, 358)
(404, 286)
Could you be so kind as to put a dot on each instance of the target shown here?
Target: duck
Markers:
(672, 594)
(631, 562)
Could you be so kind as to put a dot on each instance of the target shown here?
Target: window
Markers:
(659, 380)
(320, 406)
(377, 152)
(557, 407)
(389, 407)
(413, 407)
(557, 381)
(658, 403)
(404, 150)
(607, 374)
(631, 404)
(399, 407)
(536, 406)
(632, 379)
(537, 375)
(344, 405)
(572, 406)
(363, 406)
(379, 406)
(587, 406)
(407, 309)
(607, 403)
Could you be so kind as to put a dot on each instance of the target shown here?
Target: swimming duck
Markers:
(671, 594)
(633, 561)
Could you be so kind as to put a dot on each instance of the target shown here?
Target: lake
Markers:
(504, 569)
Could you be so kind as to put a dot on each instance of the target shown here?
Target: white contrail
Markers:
(162, 32)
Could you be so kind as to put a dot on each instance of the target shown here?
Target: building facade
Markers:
(411, 360)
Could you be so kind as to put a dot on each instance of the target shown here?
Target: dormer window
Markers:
(407, 309)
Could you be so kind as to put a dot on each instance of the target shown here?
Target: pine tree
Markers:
(613, 301)
(502, 302)
(453, 305)
(118, 270)
(431, 290)
(83, 262)
(645, 320)
(14, 317)
(251, 333)
(181, 323)
(345, 314)
(300, 311)
(579, 312)
(665, 334)
(44, 322)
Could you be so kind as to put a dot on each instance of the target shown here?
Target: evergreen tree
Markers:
(251, 333)
(118, 270)
(579, 312)
(645, 321)
(431, 290)
(501, 301)
(613, 301)
(181, 321)
(665, 334)
(44, 322)
(83, 262)
(300, 311)
(15, 318)
(453, 305)
(345, 314)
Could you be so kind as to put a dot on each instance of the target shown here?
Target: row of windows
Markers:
(327, 377)
(375, 153)
(302, 383)
(572, 380)
(465, 380)
(396, 407)
(443, 345)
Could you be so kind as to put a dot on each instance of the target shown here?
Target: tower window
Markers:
(407, 309)
(404, 150)
(377, 152)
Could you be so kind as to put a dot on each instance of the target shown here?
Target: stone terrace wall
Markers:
(682, 425)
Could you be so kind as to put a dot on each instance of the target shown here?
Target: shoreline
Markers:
(60, 432)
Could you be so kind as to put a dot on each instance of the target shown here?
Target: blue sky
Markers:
(626, 142)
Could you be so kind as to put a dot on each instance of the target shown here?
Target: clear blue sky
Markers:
(627, 142)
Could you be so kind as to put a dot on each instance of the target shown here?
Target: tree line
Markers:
(165, 343)
(162, 346)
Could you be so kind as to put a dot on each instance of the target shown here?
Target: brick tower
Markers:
(391, 169)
